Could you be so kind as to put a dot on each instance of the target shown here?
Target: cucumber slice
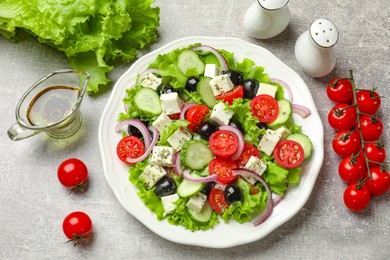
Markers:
(190, 64)
(148, 102)
(204, 215)
(205, 92)
(304, 141)
(188, 188)
(205, 172)
(283, 114)
(195, 155)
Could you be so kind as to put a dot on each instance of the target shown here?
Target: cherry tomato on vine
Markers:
(352, 169)
(77, 226)
(73, 173)
(342, 117)
(288, 154)
(217, 200)
(375, 152)
(357, 196)
(130, 147)
(236, 92)
(346, 143)
(265, 108)
(196, 115)
(379, 183)
(368, 101)
(340, 91)
(371, 128)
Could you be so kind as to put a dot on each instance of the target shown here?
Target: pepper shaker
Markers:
(266, 18)
(314, 49)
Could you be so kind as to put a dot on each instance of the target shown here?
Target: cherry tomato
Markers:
(175, 116)
(77, 226)
(376, 153)
(340, 91)
(223, 168)
(196, 115)
(368, 101)
(371, 128)
(342, 117)
(346, 143)
(223, 143)
(130, 147)
(357, 196)
(73, 173)
(265, 108)
(217, 200)
(236, 92)
(352, 169)
(288, 154)
(379, 183)
(249, 150)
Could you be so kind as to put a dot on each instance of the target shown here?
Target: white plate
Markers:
(224, 235)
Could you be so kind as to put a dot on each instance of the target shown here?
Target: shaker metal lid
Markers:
(324, 33)
(272, 4)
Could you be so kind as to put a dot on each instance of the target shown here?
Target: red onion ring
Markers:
(241, 140)
(269, 203)
(177, 169)
(285, 86)
(146, 72)
(185, 109)
(301, 110)
(140, 126)
(156, 135)
(218, 55)
(188, 177)
(277, 200)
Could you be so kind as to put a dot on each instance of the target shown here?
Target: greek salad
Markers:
(208, 138)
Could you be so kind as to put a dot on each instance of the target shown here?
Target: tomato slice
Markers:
(249, 150)
(236, 92)
(217, 200)
(196, 115)
(288, 154)
(223, 168)
(223, 143)
(265, 108)
(131, 147)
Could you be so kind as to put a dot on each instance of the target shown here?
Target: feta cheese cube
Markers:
(269, 141)
(152, 174)
(256, 165)
(211, 70)
(267, 89)
(171, 103)
(196, 202)
(219, 115)
(163, 155)
(162, 122)
(221, 84)
(284, 132)
(168, 202)
(178, 138)
(151, 81)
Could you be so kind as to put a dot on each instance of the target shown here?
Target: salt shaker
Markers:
(267, 18)
(314, 49)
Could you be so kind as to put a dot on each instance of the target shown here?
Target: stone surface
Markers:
(33, 203)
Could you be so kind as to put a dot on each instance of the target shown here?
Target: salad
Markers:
(208, 138)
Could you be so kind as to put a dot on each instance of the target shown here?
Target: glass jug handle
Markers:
(16, 132)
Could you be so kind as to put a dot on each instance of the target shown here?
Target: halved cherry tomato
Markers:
(249, 150)
(196, 115)
(223, 143)
(217, 200)
(340, 91)
(236, 92)
(265, 108)
(174, 116)
(223, 168)
(288, 154)
(131, 147)
(368, 101)
(342, 117)
(371, 127)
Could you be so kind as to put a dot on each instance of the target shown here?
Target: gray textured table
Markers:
(33, 203)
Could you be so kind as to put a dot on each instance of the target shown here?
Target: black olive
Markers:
(206, 129)
(168, 89)
(233, 194)
(236, 77)
(164, 187)
(191, 84)
(250, 88)
(234, 122)
(207, 188)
